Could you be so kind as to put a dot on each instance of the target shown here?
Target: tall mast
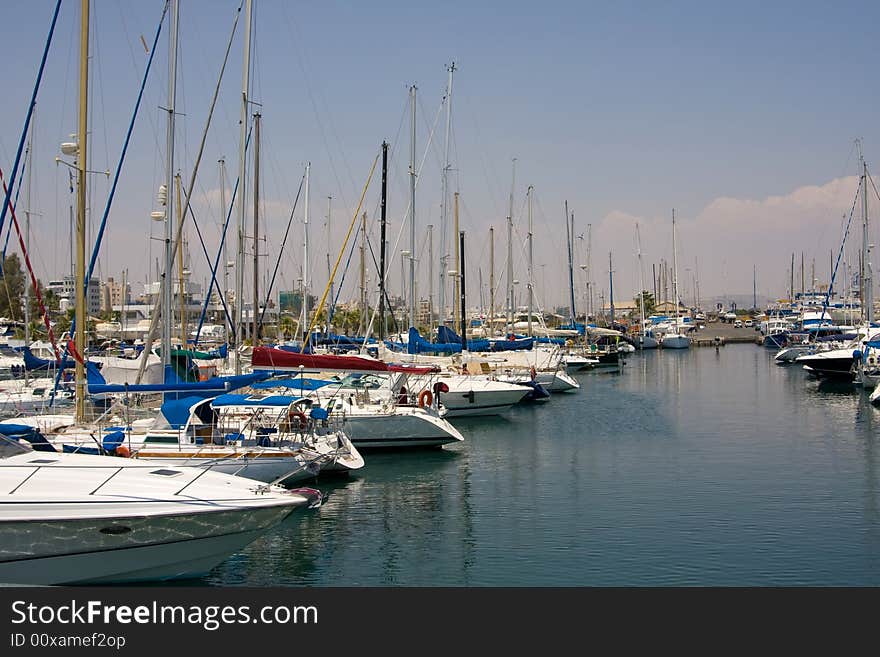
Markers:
(363, 273)
(791, 284)
(611, 288)
(591, 310)
(568, 231)
(641, 282)
(491, 277)
(329, 269)
(755, 286)
(510, 308)
(82, 163)
(674, 272)
(444, 205)
(383, 209)
(866, 249)
(256, 330)
(180, 282)
(531, 261)
(167, 296)
(305, 268)
(412, 208)
(430, 279)
(242, 162)
(222, 163)
(461, 303)
(456, 281)
(29, 158)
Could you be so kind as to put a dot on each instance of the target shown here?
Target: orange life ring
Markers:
(303, 420)
(425, 398)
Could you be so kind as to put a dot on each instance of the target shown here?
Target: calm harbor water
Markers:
(699, 467)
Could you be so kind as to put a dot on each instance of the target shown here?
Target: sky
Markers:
(742, 117)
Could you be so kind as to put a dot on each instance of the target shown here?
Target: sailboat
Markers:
(645, 338)
(68, 518)
(674, 338)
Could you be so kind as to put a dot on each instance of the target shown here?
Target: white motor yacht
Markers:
(76, 519)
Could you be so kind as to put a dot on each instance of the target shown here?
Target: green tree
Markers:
(12, 289)
(650, 304)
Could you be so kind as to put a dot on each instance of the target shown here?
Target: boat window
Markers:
(163, 440)
(164, 472)
(9, 447)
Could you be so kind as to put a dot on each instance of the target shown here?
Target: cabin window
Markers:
(164, 472)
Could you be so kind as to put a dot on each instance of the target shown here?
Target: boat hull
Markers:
(67, 551)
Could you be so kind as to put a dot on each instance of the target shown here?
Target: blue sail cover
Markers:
(34, 364)
(446, 334)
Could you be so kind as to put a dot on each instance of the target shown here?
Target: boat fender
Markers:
(857, 355)
(533, 373)
(300, 417)
(440, 386)
(123, 451)
(425, 398)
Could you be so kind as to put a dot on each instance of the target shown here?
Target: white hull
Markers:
(647, 342)
(675, 342)
(174, 548)
(404, 428)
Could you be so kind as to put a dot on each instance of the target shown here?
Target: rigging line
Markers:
(403, 222)
(125, 144)
(14, 205)
(29, 115)
(208, 258)
(34, 282)
(842, 246)
(166, 279)
(317, 113)
(339, 257)
(220, 248)
(280, 253)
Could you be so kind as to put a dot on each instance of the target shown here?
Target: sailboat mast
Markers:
(305, 267)
(674, 272)
(569, 228)
(611, 288)
(430, 278)
(222, 163)
(383, 208)
(329, 269)
(29, 158)
(444, 205)
(461, 303)
(456, 281)
(412, 208)
(868, 283)
(510, 308)
(242, 155)
(81, 162)
(256, 329)
(590, 269)
(363, 274)
(641, 282)
(531, 261)
(491, 277)
(167, 296)
(181, 297)
(755, 286)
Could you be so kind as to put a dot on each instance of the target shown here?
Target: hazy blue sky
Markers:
(740, 115)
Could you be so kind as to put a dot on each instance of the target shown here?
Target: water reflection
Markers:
(694, 467)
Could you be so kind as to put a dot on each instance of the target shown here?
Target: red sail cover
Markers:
(269, 358)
